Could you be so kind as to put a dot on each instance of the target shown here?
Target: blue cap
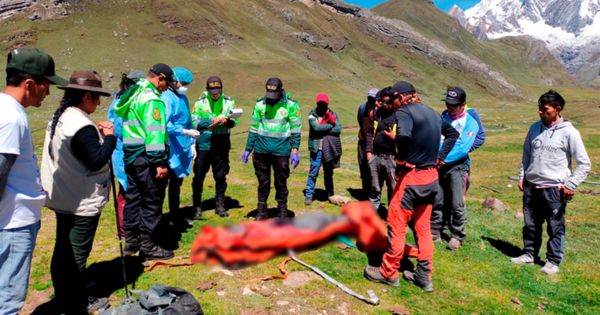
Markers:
(183, 75)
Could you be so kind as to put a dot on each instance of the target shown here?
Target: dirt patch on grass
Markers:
(35, 299)
(299, 279)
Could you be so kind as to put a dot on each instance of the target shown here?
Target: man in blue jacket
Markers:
(450, 206)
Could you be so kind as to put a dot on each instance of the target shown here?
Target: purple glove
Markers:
(245, 156)
(295, 160)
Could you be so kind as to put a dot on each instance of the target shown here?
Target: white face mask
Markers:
(182, 90)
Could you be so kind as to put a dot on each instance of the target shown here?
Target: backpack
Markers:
(161, 300)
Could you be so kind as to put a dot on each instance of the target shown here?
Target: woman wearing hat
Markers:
(75, 175)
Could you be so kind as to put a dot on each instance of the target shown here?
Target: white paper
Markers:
(235, 113)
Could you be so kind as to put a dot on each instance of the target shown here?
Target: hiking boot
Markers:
(132, 246)
(96, 304)
(453, 244)
(436, 236)
(308, 200)
(151, 251)
(427, 286)
(373, 274)
(198, 213)
(549, 268)
(261, 212)
(523, 259)
(220, 207)
(222, 212)
(282, 209)
(157, 253)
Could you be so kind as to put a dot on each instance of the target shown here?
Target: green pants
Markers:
(74, 240)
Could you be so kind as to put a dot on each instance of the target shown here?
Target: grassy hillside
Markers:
(247, 42)
(527, 62)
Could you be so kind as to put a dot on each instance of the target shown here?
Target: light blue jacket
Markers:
(117, 156)
(178, 119)
(468, 128)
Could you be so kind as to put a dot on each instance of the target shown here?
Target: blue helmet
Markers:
(183, 75)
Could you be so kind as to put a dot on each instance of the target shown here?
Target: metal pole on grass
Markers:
(115, 203)
(372, 299)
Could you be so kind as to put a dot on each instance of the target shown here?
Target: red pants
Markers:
(413, 198)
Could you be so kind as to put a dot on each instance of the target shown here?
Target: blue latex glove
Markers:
(245, 157)
(295, 160)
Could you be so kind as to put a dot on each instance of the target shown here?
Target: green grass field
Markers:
(476, 279)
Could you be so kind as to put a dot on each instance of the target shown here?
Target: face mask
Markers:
(182, 90)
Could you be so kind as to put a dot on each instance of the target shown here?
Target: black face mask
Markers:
(271, 101)
(321, 109)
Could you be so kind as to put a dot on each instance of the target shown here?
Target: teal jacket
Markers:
(317, 130)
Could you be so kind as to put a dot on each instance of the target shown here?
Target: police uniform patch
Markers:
(156, 114)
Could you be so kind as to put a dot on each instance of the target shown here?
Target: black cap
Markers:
(402, 87)
(214, 85)
(274, 88)
(162, 69)
(455, 96)
(35, 62)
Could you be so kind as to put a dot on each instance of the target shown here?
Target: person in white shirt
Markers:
(29, 73)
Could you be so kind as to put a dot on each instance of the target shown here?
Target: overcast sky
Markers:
(442, 4)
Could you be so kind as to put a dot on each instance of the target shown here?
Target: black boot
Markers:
(132, 244)
(261, 211)
(151, 251)
(282, 208)
(220, 206)
(198, 213)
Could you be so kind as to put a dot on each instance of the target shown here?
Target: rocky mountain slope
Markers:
(570, 29)
(314, 44)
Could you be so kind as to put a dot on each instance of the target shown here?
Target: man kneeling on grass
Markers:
(547, 181)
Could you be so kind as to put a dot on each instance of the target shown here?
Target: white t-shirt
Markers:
(23, 196)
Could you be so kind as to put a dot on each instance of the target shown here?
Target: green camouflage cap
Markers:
(35, 62)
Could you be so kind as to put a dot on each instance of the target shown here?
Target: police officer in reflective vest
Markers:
(146, 160)
(211, 117)
(274, 134)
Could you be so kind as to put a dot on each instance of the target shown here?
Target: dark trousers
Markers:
(539, 205)
(365, 170)
(74, 240)
(174, 192)
(281, 171)
(219, 161)
(450, 207)
(143, 199)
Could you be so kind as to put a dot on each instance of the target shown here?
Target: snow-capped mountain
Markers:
(570, 28)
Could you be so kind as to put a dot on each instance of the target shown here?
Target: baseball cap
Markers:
(455, 96)
(402, 87)
(183, 75)
(274, 88)
(167, 72)
(373, 92)
(35, 62)
(135, 75)
(86, 81)
(322, 97)
(214, 85)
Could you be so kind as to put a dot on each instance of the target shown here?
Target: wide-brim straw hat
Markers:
(86, 81)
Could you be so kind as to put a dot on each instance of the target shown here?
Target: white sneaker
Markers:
(549, 268)
(523, 259)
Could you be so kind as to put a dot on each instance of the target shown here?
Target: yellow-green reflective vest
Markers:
(275, 129)
(144, 123)
(205, 110)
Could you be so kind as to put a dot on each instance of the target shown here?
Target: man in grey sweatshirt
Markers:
(547, 181)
